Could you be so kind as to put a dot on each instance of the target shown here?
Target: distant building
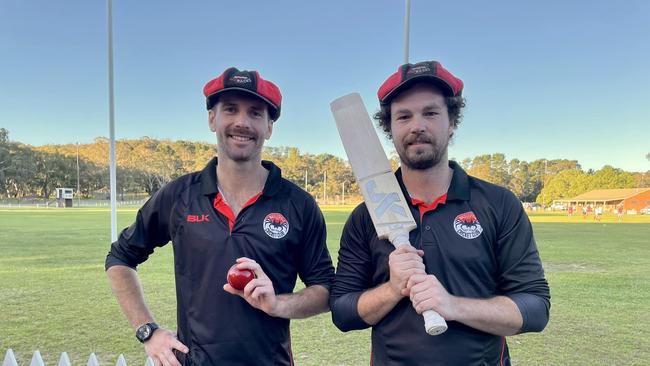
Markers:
(632, 199)
(64, 197)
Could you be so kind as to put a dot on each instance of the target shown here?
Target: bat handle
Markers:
(434, 324)
(399, 238)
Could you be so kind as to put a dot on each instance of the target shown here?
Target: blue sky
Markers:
(552, 79)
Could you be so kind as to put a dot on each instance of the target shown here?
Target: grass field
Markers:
(54, 295)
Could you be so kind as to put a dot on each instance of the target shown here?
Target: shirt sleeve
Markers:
(521, 276)
(150, 230)
(314, 261)
(353, 273)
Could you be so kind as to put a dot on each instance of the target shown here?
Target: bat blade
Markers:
(381, 192)
(384, 199)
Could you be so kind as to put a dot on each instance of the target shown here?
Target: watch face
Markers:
(146, 332)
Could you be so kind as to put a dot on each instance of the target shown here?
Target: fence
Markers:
(75, 203)
(37, 360)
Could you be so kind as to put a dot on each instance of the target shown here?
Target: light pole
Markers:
(324, 186)
(111, 124)
(305, 180)
(407, 23)
(78, 198)
(544, 185)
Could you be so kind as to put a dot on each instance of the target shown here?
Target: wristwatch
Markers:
(144, 332)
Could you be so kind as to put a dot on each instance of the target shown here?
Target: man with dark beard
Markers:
(474, 259)
(238, 209)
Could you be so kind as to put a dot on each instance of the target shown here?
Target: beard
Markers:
(424, 156)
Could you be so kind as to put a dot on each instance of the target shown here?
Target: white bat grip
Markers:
(399, 238)
(434, 324)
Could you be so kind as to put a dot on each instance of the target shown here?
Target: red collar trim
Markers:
(424, 207)
(222, 207)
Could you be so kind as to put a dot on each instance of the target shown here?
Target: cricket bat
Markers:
(388, 209)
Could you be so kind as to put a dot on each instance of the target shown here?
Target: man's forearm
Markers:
(498, 315)
(375, 303)
(302, 304)
(126, 287)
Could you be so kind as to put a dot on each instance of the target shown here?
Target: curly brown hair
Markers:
(455, 106)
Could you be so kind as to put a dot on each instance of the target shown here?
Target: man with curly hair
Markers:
(474, 259)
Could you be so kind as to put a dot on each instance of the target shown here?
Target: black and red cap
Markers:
(408, 74)
(246, 81)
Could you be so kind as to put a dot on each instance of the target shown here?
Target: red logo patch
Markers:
(467, 225)
(275, 225)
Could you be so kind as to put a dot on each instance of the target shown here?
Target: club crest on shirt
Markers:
(275, 225)
(467, 226)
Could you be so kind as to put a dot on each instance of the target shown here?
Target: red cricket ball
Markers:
(238, 278)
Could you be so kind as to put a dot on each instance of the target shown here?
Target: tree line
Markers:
(543, 180)
(146, 164)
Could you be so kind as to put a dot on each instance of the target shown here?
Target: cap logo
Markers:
(467, 225)
(419, 69)
(244, 80)
(240, 79)
(275, 225)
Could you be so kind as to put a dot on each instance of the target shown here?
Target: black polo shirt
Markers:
(478, 242)
(282, 229)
